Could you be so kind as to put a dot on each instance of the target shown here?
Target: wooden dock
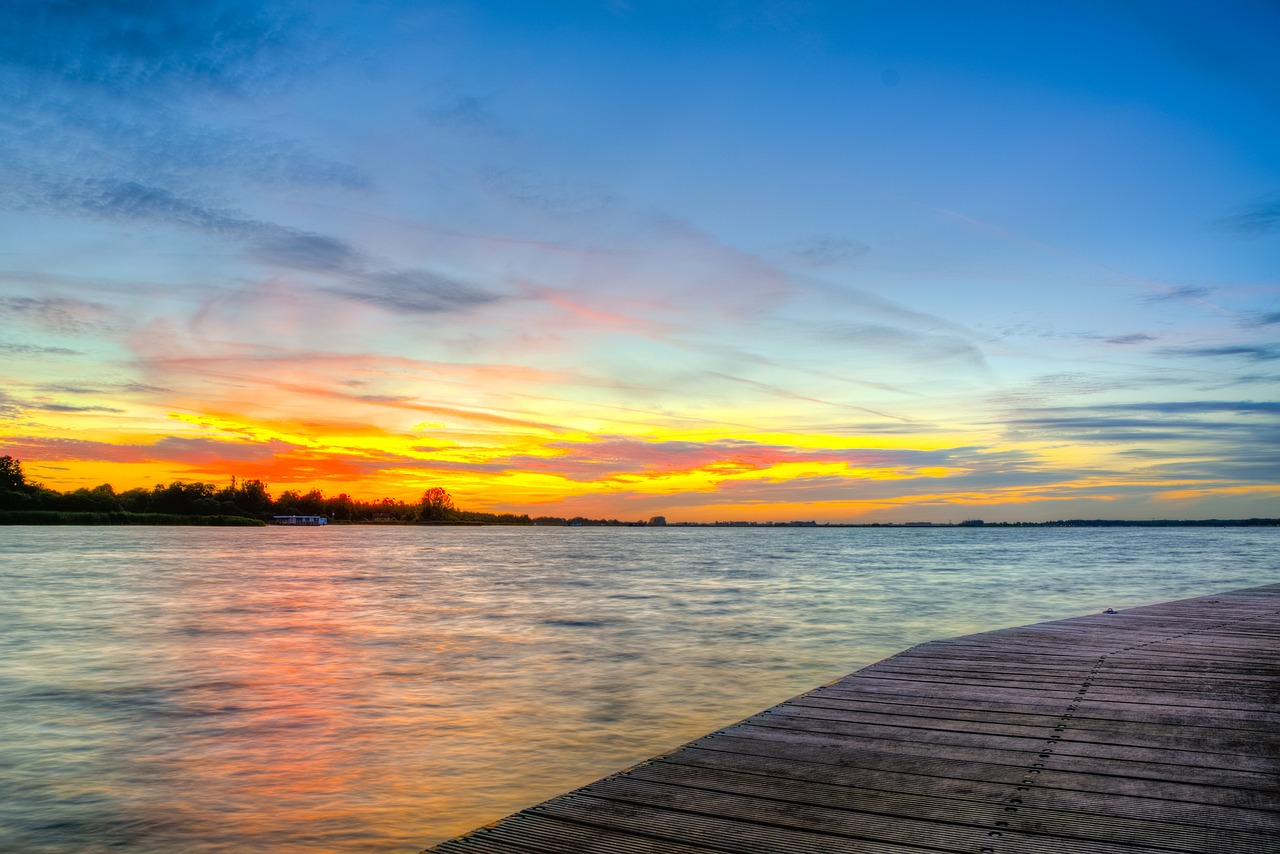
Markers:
(1154, 729)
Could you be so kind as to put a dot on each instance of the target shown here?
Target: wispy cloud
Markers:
(1156, 414)
(1131, 338)
(353, 273)
(1182, 293)
(74, 407)
(828, 251)
(549, 195)
(172, 449)
(298, 250)
(1190, 440)
(35, 350)
(624, 459)
(790, 395)
(1255, 219)
(9, 407)
(111, 93)
(1248, 352)
(101, 390)
(229, 45)
(1266, 318)
(828, 489)
(1197, 406)
(58, 314)
(415, 291)
(471, 115)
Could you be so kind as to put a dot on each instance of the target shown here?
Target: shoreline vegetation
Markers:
(248, 503)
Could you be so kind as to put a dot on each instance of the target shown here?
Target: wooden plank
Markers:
(981, 790)
(1241, 720)
(934, 807)
(1119, 764)
(721, 833)
(845, 829)
(1153, 730)
(998, 695)
(1203, 736)
(998, 769)
(1166, 678)
(531, 831)
(1231, 749)
(1001, 739)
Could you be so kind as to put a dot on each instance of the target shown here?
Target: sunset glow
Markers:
(834, 262)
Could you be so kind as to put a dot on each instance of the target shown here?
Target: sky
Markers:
(838, 261)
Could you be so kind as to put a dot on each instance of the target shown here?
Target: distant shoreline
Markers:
(57, 517)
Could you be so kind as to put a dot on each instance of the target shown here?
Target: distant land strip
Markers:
(57, 517)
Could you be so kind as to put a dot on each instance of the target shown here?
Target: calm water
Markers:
(380, 689)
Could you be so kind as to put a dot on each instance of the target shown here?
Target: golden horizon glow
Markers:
(671, 284)
(681, 474)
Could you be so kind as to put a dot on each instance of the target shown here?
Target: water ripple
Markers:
(356, 689)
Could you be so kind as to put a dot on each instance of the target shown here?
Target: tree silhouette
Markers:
(11, 476)
(437, 505)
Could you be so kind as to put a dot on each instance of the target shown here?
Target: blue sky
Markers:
(867, 261)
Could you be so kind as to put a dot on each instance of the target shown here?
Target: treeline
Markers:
(24, 502)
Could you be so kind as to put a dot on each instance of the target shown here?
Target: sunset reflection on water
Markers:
(381, 689)
(334, 709)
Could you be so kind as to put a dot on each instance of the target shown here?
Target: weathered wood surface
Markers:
(1155, 729)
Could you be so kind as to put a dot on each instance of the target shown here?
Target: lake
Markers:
(348, 689)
